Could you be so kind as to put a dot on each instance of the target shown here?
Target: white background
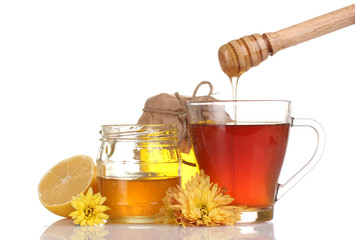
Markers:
(67, 67)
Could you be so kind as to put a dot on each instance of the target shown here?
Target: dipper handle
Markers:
(237, 56)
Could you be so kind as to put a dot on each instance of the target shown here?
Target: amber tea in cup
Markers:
(241, 145)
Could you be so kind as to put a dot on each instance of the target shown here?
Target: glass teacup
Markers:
(241, 145)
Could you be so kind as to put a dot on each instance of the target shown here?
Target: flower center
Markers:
(203, 211)
(89, 212)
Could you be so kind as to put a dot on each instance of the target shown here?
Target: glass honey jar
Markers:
(136, 165)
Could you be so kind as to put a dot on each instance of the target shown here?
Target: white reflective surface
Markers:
(66, 230)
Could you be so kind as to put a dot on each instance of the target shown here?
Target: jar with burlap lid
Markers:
(167, 108)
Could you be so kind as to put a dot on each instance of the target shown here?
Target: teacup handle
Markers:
(304, 122)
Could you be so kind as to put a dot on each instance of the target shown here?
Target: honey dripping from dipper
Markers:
(234, 84)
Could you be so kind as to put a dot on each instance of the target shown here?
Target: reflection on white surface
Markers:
(65, 229)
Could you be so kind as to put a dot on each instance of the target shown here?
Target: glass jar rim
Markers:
(139, 132)
(140, 124)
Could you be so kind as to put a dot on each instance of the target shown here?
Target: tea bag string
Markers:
(181, 113)
(183, 116)
(199, 85)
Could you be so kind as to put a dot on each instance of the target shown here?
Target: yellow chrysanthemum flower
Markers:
(89, 209)
(170, 212)
(201, 203)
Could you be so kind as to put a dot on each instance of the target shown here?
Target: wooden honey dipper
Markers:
(238, 56)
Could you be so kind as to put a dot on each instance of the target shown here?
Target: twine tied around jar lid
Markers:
(172, 109)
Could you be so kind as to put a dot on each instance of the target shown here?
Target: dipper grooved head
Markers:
(238, 56)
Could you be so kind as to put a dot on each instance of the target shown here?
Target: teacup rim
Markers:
(230, 101)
